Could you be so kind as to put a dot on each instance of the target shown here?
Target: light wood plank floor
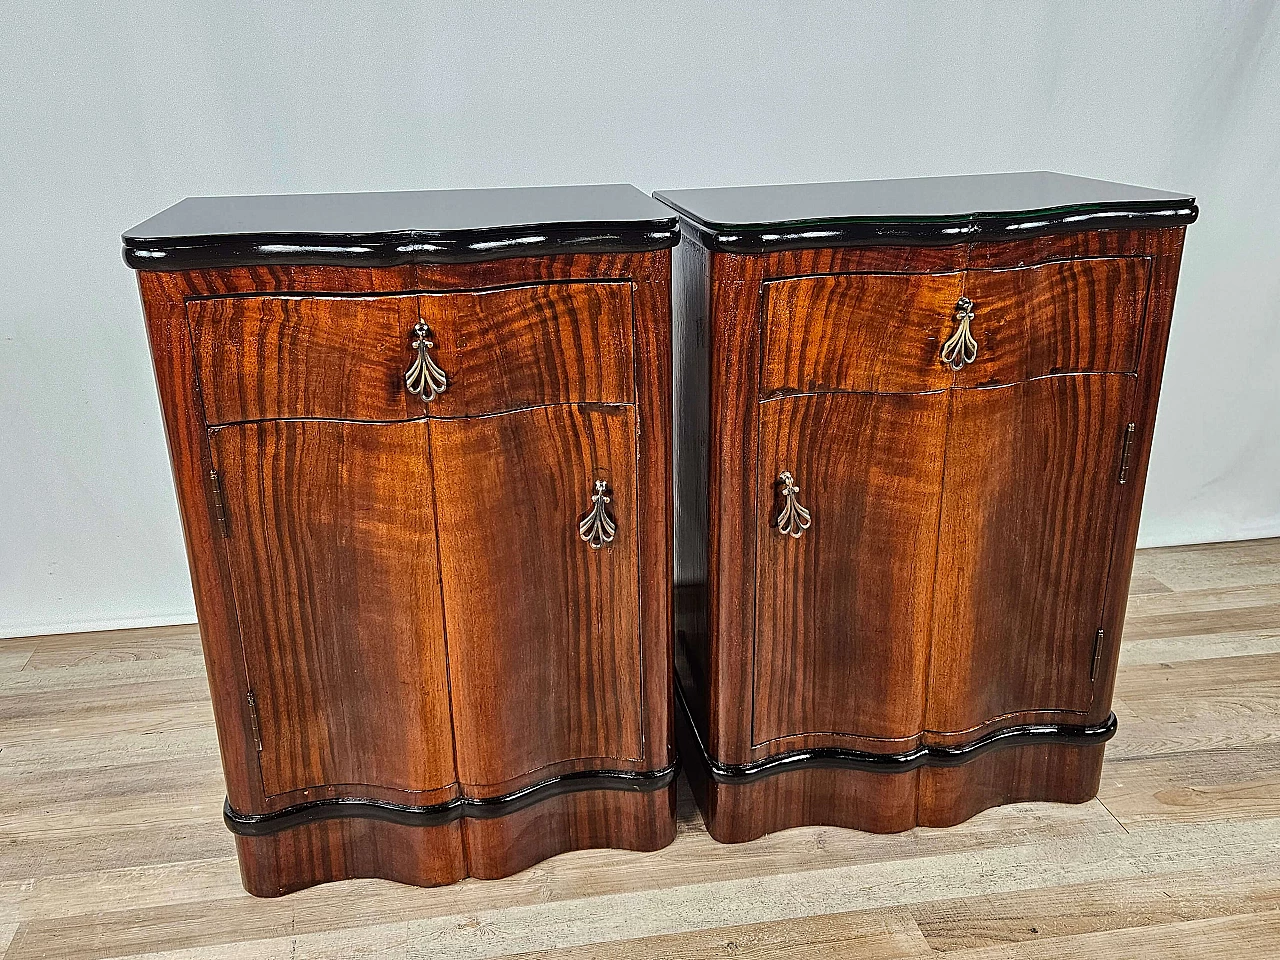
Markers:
(111, 841)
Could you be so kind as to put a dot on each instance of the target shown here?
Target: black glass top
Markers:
(926, 209)
(400, 227)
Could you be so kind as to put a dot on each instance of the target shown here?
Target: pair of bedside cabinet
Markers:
(462, 476)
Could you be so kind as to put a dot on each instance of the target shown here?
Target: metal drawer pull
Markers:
(424, 379)
(960, 347)
(597, 527)
(793, 519)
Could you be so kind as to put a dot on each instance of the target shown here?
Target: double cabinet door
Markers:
(934, 536)
(435, 570)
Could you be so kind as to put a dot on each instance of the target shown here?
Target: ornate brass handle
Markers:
(424, 379)
(597, 527)
(960, 347)
(792, 519)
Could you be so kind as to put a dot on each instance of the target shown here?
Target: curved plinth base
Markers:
(332, 847)
(844, 789)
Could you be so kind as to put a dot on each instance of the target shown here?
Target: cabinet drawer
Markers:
(343, 358)
(529, 346)
(1075, 316)
(875, 333)
(346, 357)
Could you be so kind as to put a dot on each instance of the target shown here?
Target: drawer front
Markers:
(1076, 316)
(873, 333)
(346, 358)
(528, 346)
(341, 358)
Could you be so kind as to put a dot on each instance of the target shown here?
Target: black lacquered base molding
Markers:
(477, 808)
(835, 758)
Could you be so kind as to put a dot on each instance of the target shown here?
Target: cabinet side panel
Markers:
(185, 430)
(1165, 247)
(690, 436)
(734, 359)
(652, 317)
(691, 422)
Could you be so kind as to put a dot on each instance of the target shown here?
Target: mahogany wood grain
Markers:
(544, 632)
(334, 357)
(339, 605)
(574, 821)
(1108, 314)
(188, 440)
(525, 346)
(329, 850)
(633, 302)
(863, 332)
(1165, 250)
(889, 802)
(634, 267)
(1074, 316)
(843, 611)
(1028, 508)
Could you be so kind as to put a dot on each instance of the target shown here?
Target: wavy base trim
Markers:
(476, 808)
(836, 758)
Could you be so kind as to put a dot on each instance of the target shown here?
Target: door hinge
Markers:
(253, 720)
(219, 507)
(1097, 653)
(1124, 453)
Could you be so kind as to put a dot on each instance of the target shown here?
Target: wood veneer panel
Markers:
(543, 631)
(336, 586)
(1028, 510)
(574, 821)
(1074, 316)
(334, 357)
(295, 859)
(843, 611)
(531, 345)
(862, 332)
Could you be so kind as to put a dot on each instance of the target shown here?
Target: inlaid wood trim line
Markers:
(837, 758)
(474, 808)
(724, 238)
(392, 249)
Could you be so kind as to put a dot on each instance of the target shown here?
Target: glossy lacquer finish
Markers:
(941, 634)
(420, 670)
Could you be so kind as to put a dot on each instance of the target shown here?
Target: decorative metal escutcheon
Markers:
(792, 519)
(960, 347)
(424, 379)
(597, 527)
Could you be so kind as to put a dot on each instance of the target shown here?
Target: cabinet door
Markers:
(842, 610)
(1028, 513)
(543, 630)
(333, 565)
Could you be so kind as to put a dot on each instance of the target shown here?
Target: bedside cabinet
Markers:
(916, 424)
(421, 443)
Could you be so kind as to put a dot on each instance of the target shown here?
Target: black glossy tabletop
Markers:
(925, 209)
(400, 227)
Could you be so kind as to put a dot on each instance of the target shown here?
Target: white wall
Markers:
(112, 111)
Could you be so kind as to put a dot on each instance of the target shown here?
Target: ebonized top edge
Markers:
(924, 210)
(398, 227)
